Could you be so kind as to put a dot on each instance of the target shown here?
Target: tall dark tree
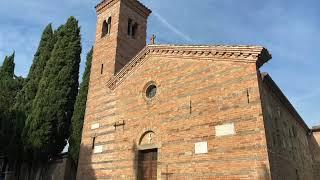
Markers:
(26, 96)
(7, 68)
(49, 120)
(79, 112)
(9, 86)
(6, 99)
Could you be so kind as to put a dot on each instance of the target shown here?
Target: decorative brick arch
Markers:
(148, 138)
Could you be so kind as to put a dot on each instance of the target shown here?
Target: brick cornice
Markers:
(105, 4)
(138, 6)
(248, 54)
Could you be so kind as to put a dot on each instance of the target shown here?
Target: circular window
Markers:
(151, 91)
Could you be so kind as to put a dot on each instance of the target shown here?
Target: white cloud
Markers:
(307, 96)
(169, 25)
(173, 28)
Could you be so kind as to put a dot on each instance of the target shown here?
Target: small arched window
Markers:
(132, 28)
(129, 27)
(106, 27)
(109, 25)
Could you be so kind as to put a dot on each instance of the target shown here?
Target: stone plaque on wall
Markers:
(95, 126)
(201, 148)
(97, 149)
(225, 130)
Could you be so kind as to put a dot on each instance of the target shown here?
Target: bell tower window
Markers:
(132, 28)
(129, 27)
(106, 27)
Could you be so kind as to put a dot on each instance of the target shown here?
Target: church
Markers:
(159, 111)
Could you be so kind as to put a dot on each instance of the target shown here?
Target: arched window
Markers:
(129, 27)
(132, 28)
(106, 27)
(109, 25)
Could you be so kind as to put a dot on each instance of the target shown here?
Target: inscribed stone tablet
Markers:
(95, 126)
(97, 149)
(201, 148)
(225, 129)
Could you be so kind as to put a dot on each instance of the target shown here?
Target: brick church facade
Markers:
(186, 112)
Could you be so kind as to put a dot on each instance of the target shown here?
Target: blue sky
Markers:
(288, 28)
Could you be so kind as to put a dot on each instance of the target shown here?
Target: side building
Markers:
(314, 141)
(293, 148)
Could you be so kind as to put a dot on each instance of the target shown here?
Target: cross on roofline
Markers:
(153, 39)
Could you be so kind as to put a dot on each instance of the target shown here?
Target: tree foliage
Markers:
(9, 86)
(49, 121)
(7, 68)
(27, 94)
(79, 112)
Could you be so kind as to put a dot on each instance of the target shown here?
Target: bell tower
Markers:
(120, 35)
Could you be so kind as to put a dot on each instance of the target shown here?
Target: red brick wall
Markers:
(194, 96)
(218, 94)
(287, 139)
(108, 51)
(128, 46)
(117, 47)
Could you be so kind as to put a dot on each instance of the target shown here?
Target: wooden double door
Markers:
(147, 164)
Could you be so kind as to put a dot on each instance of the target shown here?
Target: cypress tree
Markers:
(6, 77)
(7, 68)
(79, 112)
(9, 86)
(52, 108)
(27, 94)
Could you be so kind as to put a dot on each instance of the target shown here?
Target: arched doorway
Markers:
(147, 156)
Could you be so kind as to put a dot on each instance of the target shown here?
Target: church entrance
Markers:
(147, 164)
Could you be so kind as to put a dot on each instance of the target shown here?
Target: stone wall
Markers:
(314, 142)
(59, 168)
(287, 135)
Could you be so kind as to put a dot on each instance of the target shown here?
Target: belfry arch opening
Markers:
(132, 28)
(106, 27)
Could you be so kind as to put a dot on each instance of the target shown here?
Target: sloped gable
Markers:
(249, 54)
